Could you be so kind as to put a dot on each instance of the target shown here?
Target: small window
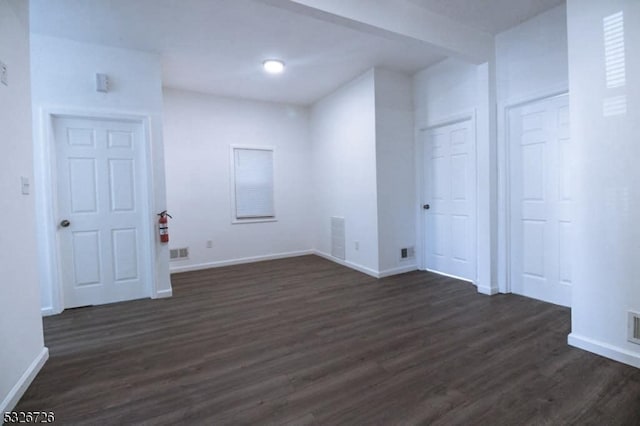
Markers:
(252, 186)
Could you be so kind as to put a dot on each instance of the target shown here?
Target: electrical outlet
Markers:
(407, 253)
(209, 244)
(356, 245)
(4, 77)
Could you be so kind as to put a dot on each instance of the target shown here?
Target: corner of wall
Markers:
(23, 352)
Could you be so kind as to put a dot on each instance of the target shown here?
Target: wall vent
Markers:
(179, 253)
(337, 237)
(407, 253)
(634, 327)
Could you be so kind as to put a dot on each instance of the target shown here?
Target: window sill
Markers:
(256, 220)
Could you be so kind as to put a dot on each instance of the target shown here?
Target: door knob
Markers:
(426, 206)
(65, 223)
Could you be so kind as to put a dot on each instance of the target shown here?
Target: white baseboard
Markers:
(489, 291)
(163, 293)
(48, 311)
(451, 276)
(11, 400)
(218, 264)
(371, 272)
(399, 270)
(606, 350)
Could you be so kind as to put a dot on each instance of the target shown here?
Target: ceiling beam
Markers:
(399, 19)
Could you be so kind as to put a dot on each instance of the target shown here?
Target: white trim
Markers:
(368, 271)
(489, 291)
(239, 261)
(504, 189)
(419, 197)
(399, 270)
(16, 392)
(162, 294)
(48, 311)
(486, 172)
(616, 353)
(451, 276)
(44, 171)
(460, 117)
(250, 220)
(467, 115)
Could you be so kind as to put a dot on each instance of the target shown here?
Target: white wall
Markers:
(531, 63)
(198, 131)
(343, 137)
(395, 171)
(531, 58)
(443, 90)
(607, 182)
(22, 350)
(451, 90)
(63, 78)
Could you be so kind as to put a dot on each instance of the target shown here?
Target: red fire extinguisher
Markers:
(163, 228)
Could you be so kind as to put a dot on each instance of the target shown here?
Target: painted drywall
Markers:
(443, 91)
(199, 130)
(531, 63)
(63, 79)
(343, 152)
(448, 91)
(605, 123)
(531, 58)
(405, 19)
(395, 171)
(22, 350)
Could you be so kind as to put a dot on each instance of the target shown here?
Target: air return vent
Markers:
(634, 327)
(179, 253)
(337, 237)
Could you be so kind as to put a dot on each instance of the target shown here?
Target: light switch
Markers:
(102, 83)
(25, 185)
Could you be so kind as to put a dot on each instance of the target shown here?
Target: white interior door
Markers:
(101, 192)
(540, 223)
(450, 192)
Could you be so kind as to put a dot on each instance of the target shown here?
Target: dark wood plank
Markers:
(304, 341)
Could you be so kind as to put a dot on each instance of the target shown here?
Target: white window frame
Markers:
(232, 188)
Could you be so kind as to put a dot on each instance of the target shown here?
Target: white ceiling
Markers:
(492, 16)
(217, 46)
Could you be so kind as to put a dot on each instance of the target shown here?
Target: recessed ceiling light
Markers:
(273, 66)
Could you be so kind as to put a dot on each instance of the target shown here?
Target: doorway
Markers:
(101, 210)
(540, 200)
(450, 194)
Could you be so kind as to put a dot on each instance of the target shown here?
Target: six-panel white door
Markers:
(540, 221)
(450, 192)
(101, 192)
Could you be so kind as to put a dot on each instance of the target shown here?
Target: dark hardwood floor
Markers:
(305, 341)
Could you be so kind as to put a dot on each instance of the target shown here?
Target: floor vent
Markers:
(179, 253)
(634, 327)
(337, 237)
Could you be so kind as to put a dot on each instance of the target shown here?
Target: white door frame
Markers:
(469, 115)
(46, 200)
(504, 179)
